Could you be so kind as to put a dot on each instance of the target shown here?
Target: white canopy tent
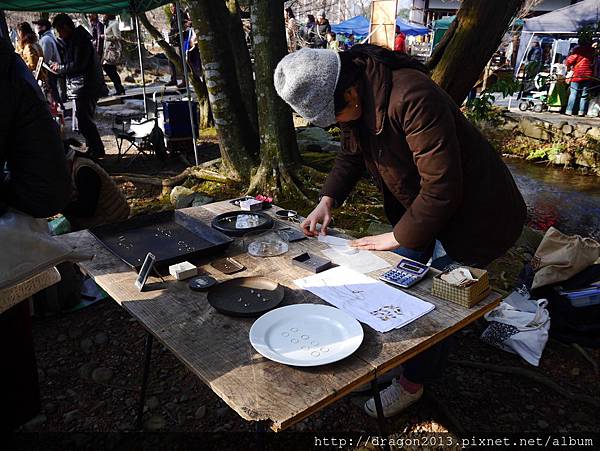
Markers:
(563, 22)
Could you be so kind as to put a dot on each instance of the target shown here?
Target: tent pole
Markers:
(524, 54)
(139, 42)
(3, 26)
(187, 80)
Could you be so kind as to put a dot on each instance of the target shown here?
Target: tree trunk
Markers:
(232, 124)
(278, 147)
(469, 43)
(242, 61)
(198, 85)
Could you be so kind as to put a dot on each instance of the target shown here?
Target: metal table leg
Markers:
(380, 417)
(145, 375)
(261, 430)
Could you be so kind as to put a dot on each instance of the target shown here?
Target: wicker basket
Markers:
(467, 296)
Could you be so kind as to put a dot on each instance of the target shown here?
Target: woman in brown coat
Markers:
(28, 47)
(447, 193)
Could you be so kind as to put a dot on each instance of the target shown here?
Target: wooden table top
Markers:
(10, 297)
(217, 348)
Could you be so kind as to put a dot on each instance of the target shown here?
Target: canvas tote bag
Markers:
(560, 256)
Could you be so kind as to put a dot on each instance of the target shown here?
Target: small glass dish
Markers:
(266, 244)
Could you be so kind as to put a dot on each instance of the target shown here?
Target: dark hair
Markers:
(331, 33)
(27, 34)
(290, 12)
(351, 72)
(354, 62)
(63, 20)
(311, 18)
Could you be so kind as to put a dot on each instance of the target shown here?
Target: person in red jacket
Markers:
(581, 62)
(400, 41)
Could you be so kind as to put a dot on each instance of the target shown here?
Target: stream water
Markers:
(560, 198)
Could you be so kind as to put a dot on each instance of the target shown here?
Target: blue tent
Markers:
(411, 29)
(359, 26)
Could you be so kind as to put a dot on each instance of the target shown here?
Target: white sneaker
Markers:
(394, 400)
(383, 380)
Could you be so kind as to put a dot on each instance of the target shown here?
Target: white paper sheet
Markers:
(341, 253)
(362, 261)
(368, 300)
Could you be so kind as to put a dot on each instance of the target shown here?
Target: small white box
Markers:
(183, 270)
(251, 205)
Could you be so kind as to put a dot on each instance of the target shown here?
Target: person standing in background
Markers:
(332, 43)
(97, 29)
(85, 83)
(581, 62)
(400, 41)
(322, 29)
(175, 41)
(29, 49)
(49, 47)
(112, 51)
(309, 31)
(291, 30)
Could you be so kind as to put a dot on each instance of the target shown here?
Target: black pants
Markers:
(111, 71)
(85, 109)
(19, 390)
(172, 67)
(53, 88)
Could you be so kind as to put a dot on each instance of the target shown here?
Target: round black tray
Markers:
(246, 296)
(225, 222)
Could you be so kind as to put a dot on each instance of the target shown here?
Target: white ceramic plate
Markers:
(306, 335)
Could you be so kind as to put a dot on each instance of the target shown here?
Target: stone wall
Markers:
(570, 142)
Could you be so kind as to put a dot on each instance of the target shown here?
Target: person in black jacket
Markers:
(321, 30)
(85, 81)
(34, 180)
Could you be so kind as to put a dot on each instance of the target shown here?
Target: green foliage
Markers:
(482, 108)
(546, 152)
(335, 132)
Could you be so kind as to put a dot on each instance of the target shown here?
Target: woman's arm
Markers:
(348, 168)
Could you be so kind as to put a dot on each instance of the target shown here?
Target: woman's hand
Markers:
(320, 215)
(383, 242)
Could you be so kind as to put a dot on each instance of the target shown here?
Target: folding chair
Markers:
(134, 135)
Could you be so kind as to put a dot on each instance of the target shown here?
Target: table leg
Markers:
(261, 430)
(380, 417)
(145, 374)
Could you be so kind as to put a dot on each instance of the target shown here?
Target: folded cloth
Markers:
(459, 277)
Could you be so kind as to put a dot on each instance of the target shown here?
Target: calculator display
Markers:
(411, 267)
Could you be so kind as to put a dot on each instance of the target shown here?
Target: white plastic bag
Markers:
(519, 332)
(28, 248)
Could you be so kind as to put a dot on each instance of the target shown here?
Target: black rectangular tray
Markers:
(170, 235)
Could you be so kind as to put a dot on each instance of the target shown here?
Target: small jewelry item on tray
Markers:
(227, 265)
(459, 277)
(247, 221)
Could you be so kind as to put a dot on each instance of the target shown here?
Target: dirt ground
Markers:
(90, 361)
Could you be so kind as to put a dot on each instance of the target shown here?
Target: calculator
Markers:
(406, 273)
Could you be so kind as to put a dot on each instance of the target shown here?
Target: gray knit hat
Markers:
(306, 80)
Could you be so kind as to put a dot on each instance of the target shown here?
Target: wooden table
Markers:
(9, 297)
(216, 348)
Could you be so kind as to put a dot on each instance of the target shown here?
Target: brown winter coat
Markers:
(440, 177)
